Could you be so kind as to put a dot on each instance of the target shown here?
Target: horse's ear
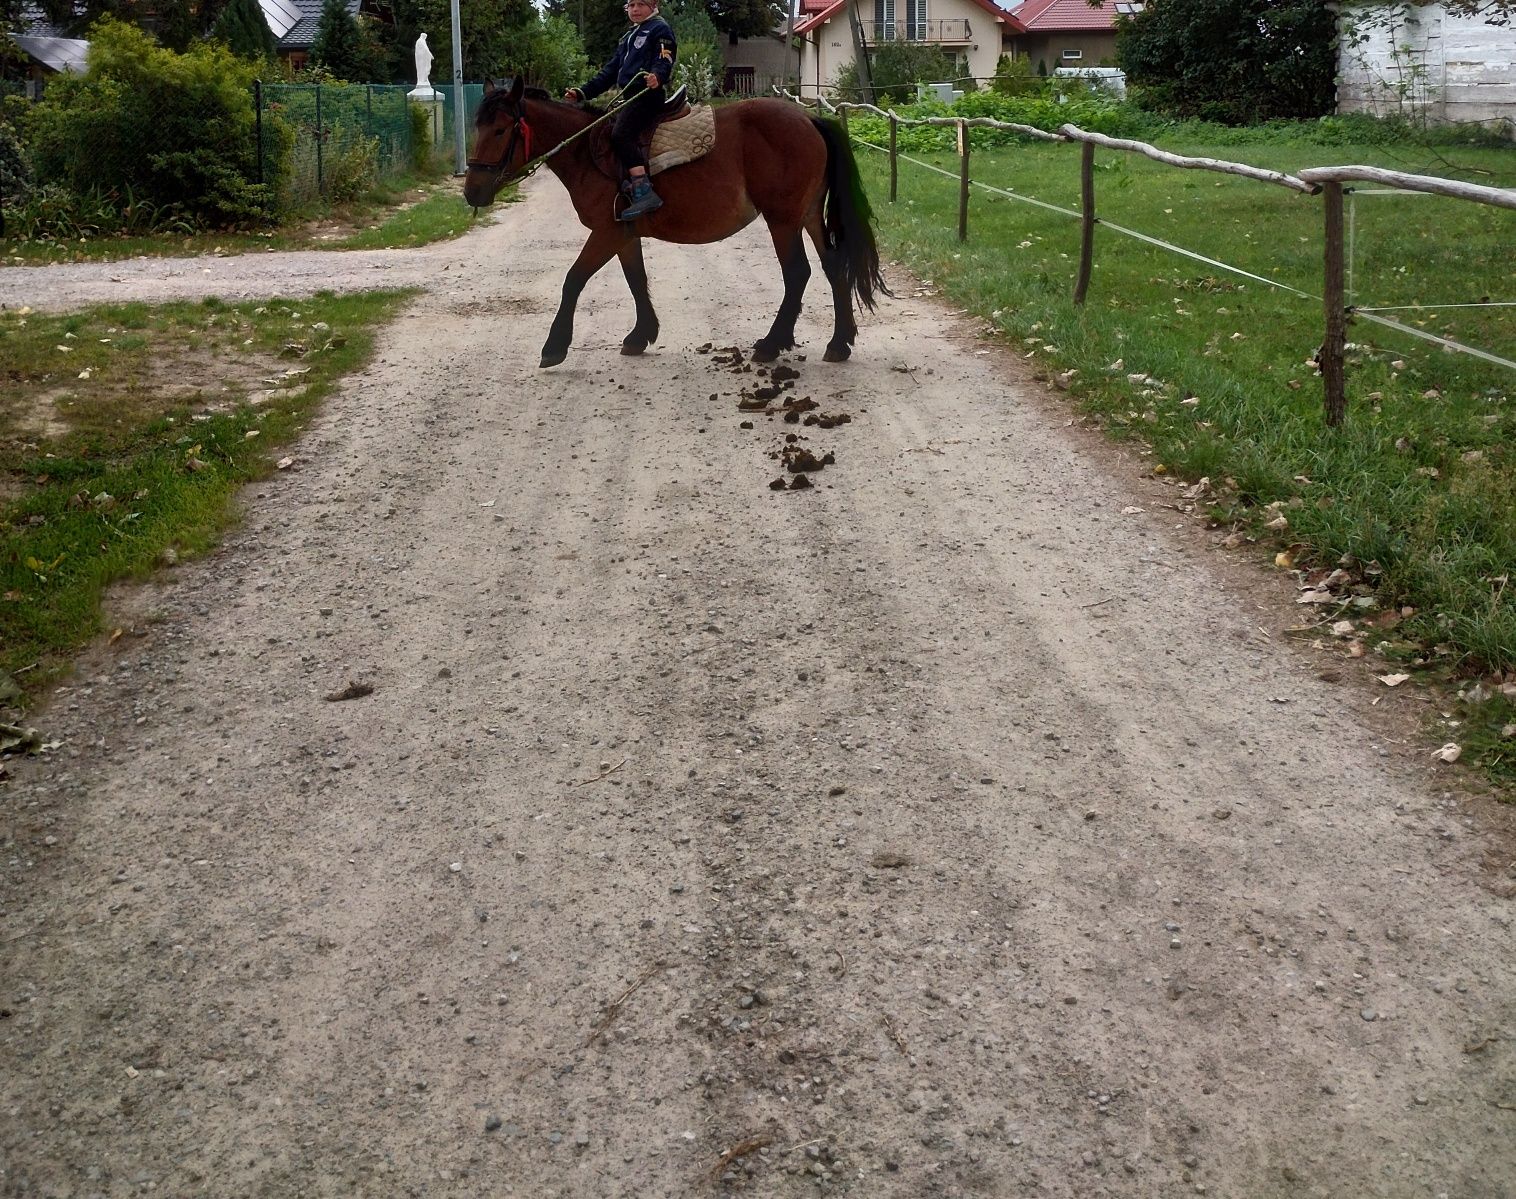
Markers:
(489, 85)
(518, 86)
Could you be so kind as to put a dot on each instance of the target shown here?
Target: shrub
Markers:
(895, 69)
(1232, 61)
(421, 137)
(1016, 77)
(351, 163)
(53, 213)
(700, 66)
(170, 128)
(15, 174)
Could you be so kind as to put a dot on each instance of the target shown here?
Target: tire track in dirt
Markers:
(943, 825)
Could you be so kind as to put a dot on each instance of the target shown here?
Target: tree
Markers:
(338, 44)
(742, 18)
(1235, 61)
(494, 32)
(175, 23)
(245, 31)
(550, 55)
(601, 24)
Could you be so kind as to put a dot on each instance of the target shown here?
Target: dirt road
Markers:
(944, 829)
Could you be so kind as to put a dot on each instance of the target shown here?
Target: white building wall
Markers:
(1425, 64)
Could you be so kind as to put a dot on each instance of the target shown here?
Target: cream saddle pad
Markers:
(684, 140)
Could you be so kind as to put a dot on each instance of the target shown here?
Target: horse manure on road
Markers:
(799, 461)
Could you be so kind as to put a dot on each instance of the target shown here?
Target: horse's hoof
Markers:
(552, 358)
(837, 354)
(763, 352)
(633, 348)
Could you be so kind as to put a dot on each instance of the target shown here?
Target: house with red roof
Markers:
(970, 32)
(1067, 33)
(975, 33)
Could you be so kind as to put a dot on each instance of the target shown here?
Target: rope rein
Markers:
(530, 167)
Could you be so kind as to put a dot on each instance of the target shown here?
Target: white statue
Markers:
(423, 89)
(423, 64)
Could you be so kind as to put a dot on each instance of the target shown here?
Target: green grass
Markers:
(394, 215)
(441, 216)
(1414, 497)
(109, 463)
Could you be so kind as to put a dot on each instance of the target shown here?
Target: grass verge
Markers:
(393, 216)
(1402, 523)
(124, 434)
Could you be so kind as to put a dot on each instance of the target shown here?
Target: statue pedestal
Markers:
(426, 94)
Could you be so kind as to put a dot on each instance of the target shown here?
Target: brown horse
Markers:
(770, 159)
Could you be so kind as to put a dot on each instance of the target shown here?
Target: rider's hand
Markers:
(652, 81)
(573, 95)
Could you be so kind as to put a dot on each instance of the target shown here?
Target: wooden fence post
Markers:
(894, 160)
(1087, 223)
(963, 181)
(1333, 344)
(842, 116)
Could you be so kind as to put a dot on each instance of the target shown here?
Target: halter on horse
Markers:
(771, 159)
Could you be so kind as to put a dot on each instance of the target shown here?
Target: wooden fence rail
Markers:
(1324, 181)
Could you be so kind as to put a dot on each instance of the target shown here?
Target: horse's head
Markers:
(502, 142)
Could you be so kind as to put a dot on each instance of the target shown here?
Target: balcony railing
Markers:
(920, 31)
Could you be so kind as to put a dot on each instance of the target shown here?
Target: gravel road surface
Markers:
(959, 826)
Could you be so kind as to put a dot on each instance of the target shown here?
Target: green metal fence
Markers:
(326, 143)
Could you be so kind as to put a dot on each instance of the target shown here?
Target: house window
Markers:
(884, 21)
(1072, 55)
(915, 20)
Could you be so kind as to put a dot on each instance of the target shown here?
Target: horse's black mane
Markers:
(490, 106)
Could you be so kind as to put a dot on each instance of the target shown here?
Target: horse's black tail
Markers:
(847, 219)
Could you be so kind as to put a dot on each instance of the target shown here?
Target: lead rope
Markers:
(529, 168)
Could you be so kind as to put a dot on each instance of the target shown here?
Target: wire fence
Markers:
(1327, 182)
(325, 143)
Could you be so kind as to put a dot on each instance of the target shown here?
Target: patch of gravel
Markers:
(701, 838)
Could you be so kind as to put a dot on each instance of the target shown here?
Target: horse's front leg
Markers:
(797, 272)
(646, 331)
(603, 244)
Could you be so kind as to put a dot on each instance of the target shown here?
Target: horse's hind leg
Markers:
(602, 245)
(646, 330)
(797, 273)
(834, 264)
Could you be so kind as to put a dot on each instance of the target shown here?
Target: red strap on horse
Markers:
(526, 131)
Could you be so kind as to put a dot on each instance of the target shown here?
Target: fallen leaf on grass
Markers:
(1448, 753)
(1393, 680)
(284, 464)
